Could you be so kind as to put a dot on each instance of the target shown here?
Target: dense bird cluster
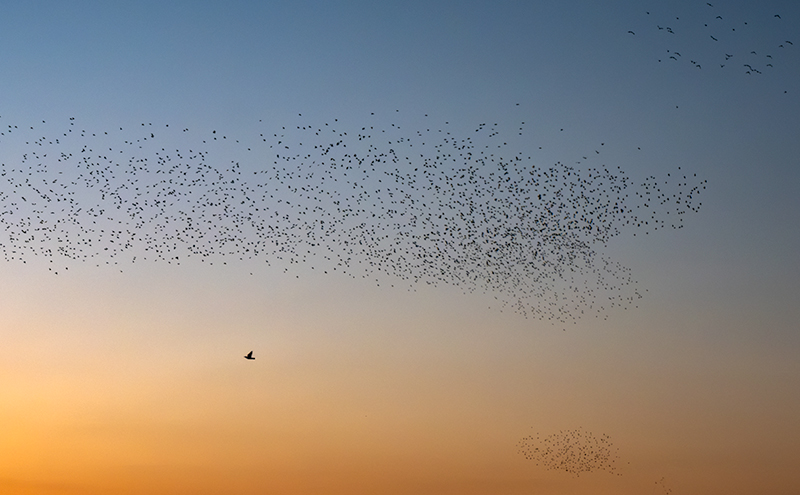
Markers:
(572, 451)
(378, 203)
(706, 35)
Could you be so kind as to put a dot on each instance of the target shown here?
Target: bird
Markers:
(249, 355)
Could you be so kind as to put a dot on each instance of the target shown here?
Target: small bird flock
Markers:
(573, 451)
(430, 206)
(706, 35)
(663, 484)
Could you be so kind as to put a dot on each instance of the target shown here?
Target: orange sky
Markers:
(100, 396)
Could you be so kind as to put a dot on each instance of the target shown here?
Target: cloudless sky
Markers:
(132, 380)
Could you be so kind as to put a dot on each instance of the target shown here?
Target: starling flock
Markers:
(572, 451)
(378, 203)
(708, 36)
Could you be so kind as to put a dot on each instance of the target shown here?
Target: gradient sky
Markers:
(132, 381)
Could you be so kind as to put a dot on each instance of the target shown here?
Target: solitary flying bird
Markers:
(249, 355)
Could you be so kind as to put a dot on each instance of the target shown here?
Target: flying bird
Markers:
(249, 355)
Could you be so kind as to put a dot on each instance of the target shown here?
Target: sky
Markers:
(122, 370)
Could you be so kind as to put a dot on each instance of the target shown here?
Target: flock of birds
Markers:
(662, 482)
(708, 36)
(428, 206)
(573, 451)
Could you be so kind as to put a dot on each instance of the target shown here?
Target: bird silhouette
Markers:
(249, 355)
